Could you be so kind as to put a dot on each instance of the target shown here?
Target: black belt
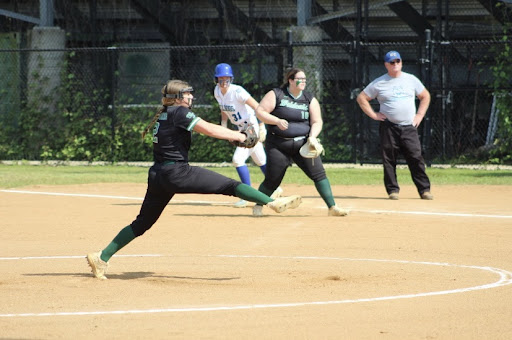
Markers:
(290, 138)
(395, 124)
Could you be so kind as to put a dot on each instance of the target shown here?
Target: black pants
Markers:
(164, 181)
(402, 138)
(280, 154)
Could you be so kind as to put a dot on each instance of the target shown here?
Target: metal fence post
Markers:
(289, 38)
(114, 56)
(357, 85)
(427, 126)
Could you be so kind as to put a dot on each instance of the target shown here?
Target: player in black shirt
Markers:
(171, 173)
(292, 116)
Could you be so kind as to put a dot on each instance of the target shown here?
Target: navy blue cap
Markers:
(391, 55)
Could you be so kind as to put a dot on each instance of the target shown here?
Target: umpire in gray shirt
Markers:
(396, 92)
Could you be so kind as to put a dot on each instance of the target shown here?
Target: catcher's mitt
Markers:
(312, 148)
(251, 138)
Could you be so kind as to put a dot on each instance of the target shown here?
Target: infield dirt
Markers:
(403, 269)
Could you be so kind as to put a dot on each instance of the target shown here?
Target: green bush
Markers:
(501, 152)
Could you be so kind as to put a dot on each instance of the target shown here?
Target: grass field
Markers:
(13, 176)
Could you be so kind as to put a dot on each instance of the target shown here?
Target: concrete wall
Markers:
(45, 65)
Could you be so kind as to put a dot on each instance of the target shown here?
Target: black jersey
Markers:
(172, 134)
(294, 110)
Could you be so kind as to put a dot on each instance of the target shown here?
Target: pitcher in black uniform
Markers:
(171, 173)
(292, 115)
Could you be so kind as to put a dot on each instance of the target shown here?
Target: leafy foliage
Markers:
(208, 149)
(502, 84)
(75, 121)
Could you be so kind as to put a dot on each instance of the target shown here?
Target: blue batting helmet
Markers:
(223, 70)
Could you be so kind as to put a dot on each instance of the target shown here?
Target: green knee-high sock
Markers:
(324, 189)
(264, 190)
(248, 193)
(124, 237)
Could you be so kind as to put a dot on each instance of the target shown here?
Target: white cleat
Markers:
(277, 193)
(257, 210)
(241, 204)
(281, 204)
(98, 266)
(337, 211)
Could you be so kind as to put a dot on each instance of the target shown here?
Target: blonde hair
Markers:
(174, 88)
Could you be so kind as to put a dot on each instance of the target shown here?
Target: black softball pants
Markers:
(164, 181)
(280, 154)
(402, 138)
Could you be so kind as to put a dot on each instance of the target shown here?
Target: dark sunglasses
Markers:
(395, 62)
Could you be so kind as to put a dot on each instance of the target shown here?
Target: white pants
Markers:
(257, 154)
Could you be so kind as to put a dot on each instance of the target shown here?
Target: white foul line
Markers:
(228, 203)
(72, 195)
(104, 196)
(505, 279)
(431, 213)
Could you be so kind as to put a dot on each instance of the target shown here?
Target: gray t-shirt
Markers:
(396, 96)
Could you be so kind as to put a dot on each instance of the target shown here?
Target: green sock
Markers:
(248, 193)
(324, 189)
(264, 190)
(124, 237)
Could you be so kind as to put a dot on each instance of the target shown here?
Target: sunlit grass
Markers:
(15, 176)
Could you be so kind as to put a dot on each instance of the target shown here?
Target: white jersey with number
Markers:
(240, 114)
(233, 105)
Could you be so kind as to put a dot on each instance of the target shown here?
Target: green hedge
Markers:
(79, 122)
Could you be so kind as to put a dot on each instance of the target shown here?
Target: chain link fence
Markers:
(93, 103)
